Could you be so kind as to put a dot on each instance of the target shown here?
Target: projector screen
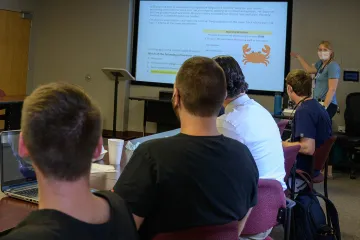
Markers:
(255, 33)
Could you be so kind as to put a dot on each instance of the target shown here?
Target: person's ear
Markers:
(176, 97)
(289, 89)
(23, 151)
(98, 149)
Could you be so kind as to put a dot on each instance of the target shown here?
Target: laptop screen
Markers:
(14, 169)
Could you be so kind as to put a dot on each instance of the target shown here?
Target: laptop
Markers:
(18, 179)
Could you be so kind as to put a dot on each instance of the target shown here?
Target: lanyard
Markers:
(321, 69)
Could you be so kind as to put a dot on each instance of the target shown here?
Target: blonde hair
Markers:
(300, 81)
(329, 46)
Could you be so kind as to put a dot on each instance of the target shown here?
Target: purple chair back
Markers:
(321, 154)
(282, 124)
(228, 231)
(290, 154)
(263, 216)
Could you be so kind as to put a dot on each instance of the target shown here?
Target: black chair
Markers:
(352, 130)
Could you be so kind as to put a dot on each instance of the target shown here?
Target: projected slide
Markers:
(254, 33)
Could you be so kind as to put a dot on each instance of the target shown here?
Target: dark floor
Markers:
(345, 194)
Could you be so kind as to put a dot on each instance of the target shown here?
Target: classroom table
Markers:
(13, 211)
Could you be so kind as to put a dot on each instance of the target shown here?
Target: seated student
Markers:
(311, 125)
(198, 177)
(61, 133)
(250, 123)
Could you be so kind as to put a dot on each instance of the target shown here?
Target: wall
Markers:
(17, 5)
(73, 38)
(337, 22)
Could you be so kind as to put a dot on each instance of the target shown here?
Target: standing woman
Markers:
(327, 75)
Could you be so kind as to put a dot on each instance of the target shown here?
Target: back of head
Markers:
(61, 128)
(300, 81)
(235, 79)
(202, 86)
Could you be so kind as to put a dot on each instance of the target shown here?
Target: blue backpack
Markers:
(309, 221)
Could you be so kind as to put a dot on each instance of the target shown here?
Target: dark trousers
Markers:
(331, 110)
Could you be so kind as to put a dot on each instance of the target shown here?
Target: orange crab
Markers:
(256, 57)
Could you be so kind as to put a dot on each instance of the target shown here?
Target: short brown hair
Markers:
(202, 86)
(300, 81)
(61, 128)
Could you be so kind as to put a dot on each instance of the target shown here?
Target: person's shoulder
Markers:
(120, 212)
(228, 121)
(109, 196)
(235, 146)
(240, 155)
(114, 200)
(29, 231)
(221, 119)
(230, 116)
(241, 115)
(311, 107)
(306, 108)
(334, 65)
(145, 146)
(161, 143)
(263, 111)
(315, 106)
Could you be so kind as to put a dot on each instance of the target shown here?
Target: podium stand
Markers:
(117, 75)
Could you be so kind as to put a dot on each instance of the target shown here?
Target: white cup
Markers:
(115, 151)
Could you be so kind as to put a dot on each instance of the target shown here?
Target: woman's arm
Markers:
(333, 82)
(308, 68)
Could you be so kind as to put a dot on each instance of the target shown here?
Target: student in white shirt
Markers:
(248, 122)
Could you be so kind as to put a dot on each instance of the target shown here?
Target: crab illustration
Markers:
(256, 57)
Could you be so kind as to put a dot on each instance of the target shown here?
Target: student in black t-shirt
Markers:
(196, 178)
(311, 125)
(61, 133)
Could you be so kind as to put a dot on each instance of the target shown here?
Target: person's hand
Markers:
(294, 55)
